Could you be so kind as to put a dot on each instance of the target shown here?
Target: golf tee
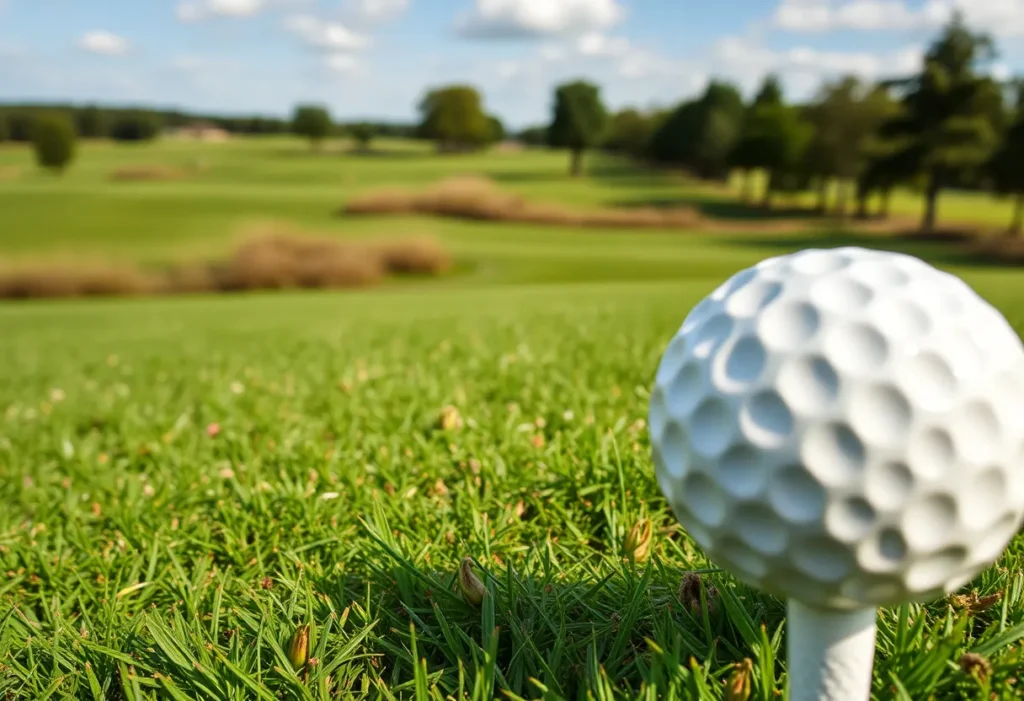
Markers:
(830, 653)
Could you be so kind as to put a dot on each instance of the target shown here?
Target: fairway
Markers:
(187, 480)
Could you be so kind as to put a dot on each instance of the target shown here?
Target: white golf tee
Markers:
(831, 653)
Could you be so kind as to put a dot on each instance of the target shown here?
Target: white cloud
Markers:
(1003, 18)
(105, 43)
(377, 10)
(195, 10)
(342, 63)
(531, 18)
(597, 44)
(325, 35)
(803, 68)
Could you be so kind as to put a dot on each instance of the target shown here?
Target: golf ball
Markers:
(844, 427)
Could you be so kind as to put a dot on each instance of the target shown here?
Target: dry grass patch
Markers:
(9, 172)
(65, 279)
(271, 257)
(476, 198)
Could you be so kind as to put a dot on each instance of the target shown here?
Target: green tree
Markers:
(135, 126)
(701, 134)
(770, 92)
(534, 136)
(454, 118)
(947, 121)
(4, 134)
(773, 137)
(496, 129)
(362, 133)
(846, 116)
(578, 121)
(629, 133)
(53, 139)
(1007, 167)
(312, 122)
(91, 123)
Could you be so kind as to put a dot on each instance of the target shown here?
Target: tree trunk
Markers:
(842, 194)
(1017, 225)
(823, 195)
(769, 188)
(576, 162)
(862, 201)
(930, 205)
(883, 208)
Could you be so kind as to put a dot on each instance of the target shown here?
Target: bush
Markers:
(53, 138)
(271, 257)
(479, 199)
(4, 135)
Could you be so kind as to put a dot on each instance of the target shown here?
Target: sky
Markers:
(374, 59)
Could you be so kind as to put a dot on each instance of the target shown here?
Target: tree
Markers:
(91, 123)
(701, 134)
(578, 121)
(534, 136)
(773, 137)
(770, 92)
(363, 134)
(629, 133)
(4, 135)
(454, 118)
(845, 117)
(1007, 167)
(312, 122)
(53, 138)
(496, 129)
(947, 121)
(135, 126)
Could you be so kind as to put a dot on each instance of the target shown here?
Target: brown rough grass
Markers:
(270, 257)
(9, 172)
(73, 280)
(476, 198)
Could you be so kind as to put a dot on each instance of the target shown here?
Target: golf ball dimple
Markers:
(845, 427)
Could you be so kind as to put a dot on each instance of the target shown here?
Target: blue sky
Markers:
(375, 58)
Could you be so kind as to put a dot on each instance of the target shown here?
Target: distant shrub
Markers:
(53, 138)
(362, 133)
(4, 133)
(271, 257)
(480, 199)
(73, 280)
(136, 126)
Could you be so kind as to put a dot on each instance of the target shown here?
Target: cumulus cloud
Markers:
(104, 43)
(747, 62)
(533, 18)
(196, 10)
(377, 10)
(1003, 18)
(344, 64)
(325, 35)
(597, 44)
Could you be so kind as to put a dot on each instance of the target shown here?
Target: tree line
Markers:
(949, 126)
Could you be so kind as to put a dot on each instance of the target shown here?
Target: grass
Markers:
(186, 481)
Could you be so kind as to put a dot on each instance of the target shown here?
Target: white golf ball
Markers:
(844, 427)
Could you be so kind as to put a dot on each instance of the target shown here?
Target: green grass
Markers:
(142, 557)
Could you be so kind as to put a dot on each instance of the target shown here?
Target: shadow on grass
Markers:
(946, 251)
(717, 208)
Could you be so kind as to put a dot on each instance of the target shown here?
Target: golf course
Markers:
(189, 480)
